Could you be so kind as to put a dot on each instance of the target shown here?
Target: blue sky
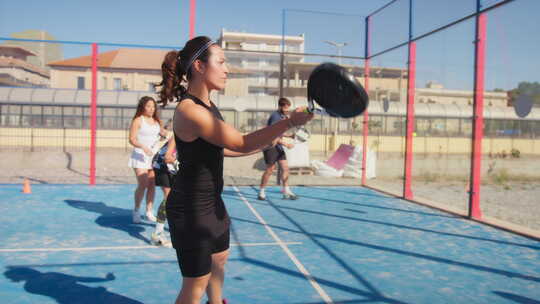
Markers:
(161, 22)
(513, 43)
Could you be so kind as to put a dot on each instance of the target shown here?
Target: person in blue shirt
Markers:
(276, 154)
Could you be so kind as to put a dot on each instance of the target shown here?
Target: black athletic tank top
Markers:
(195, 205)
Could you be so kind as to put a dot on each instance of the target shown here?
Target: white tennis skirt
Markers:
(139, 160)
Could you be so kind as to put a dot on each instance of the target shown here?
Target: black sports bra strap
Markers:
(196, 100)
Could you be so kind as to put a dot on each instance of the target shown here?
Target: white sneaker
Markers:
(160, 240)
(290, 196)
(150, 217)
(136, 217)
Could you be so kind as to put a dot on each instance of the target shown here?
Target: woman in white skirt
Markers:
(144, 135)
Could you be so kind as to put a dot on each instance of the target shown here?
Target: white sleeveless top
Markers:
(147, 135)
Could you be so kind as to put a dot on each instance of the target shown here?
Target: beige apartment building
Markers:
(121, 69)
(16, 71)
(44, 52)
(388, 84)
(257, 58)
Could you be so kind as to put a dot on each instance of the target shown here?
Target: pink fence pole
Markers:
(93, 114)
(192, 18)
(478, 117)
(407, 191)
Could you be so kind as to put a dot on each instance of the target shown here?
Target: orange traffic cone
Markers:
(26, 186)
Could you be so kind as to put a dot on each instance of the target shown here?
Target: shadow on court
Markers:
(365, 205)
(281, 207)
(516, 298)
(369, 295)
(113, 217)
(65, 288)
(364, 288)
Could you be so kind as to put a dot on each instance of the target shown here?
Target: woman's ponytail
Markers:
(173, 77)
(174, 72)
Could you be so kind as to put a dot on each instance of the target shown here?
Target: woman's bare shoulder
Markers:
(185, 103)
(136, 120)
(188, 108)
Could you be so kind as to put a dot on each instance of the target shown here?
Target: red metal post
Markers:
(409, 135)
(191, 19)
(478, 117)
(93, 114)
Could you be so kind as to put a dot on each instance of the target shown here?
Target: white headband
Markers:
(198, 53)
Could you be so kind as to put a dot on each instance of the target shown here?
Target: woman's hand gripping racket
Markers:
(160, 142)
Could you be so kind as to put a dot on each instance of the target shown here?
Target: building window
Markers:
(118, 84)
(151, 87)
(104, 80)
(80, 83)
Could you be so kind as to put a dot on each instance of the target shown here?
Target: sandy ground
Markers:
(515, 201)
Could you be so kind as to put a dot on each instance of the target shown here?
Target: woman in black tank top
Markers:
(195, 201)
(198, 220)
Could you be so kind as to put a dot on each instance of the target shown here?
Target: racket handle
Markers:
(317, 111)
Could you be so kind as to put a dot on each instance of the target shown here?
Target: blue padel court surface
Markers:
(77, 244)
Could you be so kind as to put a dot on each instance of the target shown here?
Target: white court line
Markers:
(126, 247)
(283, 246)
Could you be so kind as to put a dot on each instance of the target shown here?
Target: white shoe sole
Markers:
(161, 243)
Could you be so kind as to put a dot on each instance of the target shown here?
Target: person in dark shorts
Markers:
(165, 168)
(197, 217)
(276, 155)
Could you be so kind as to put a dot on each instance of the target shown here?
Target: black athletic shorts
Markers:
(163, 178)
(196, 262)
(272, 155)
